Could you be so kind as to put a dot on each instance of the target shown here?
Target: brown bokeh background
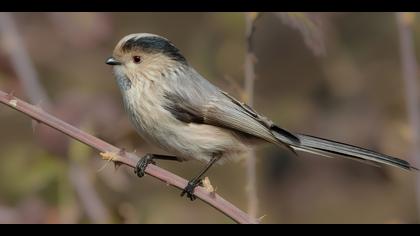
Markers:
(341, 80)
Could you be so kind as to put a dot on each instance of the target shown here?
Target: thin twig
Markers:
(126, 158)
(409, 71)
(310, 25)
(85, 189)
(21, 61)
(249, 91)
(27, 74)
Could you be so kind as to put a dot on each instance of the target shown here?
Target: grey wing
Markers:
(220, 109)
(229, 112)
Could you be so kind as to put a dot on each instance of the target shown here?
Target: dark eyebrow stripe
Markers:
(152, 44)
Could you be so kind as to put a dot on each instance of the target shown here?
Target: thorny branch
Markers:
(27, 74)
(122, 157)
(251, 163)
(409, 72)
(20, 60)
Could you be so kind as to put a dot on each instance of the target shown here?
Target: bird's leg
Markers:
(189, 189)
(149, 159)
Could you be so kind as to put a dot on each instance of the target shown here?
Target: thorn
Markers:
(108, 156)
(10, 95)
(34, 123)
(122, 152)
(38, 106)
(116, 165)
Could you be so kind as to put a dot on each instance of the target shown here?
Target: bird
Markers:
(175, 108)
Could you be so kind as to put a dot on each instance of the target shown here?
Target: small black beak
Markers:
(112, 61)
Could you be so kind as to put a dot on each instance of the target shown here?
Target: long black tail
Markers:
(327, 147)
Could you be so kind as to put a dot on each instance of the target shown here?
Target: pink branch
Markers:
(28, 76)
(126, 158)
(410, 77)
(251, 161)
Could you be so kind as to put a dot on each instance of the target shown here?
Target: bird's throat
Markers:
(123, 82)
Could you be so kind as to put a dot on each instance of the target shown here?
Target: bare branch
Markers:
(249, 93)
(310, 26)
(126, 158)
(83, 185)
(21, 61)
(409, 71)
(27, 74)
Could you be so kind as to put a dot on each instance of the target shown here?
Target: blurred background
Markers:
(333, 75)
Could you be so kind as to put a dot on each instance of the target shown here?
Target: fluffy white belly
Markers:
(185, 140)
(201, 141)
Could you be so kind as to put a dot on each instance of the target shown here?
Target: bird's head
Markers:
(145, 56)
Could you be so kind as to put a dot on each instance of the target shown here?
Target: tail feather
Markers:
(327, 147)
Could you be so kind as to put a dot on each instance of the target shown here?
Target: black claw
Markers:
(142, 164)
(189, 189)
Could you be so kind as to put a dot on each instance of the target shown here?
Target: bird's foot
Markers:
(140, 169)
(189, 189)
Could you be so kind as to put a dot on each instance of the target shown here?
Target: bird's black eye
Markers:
(137, 59)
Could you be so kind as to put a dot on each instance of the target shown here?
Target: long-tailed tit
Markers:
(174, 107)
